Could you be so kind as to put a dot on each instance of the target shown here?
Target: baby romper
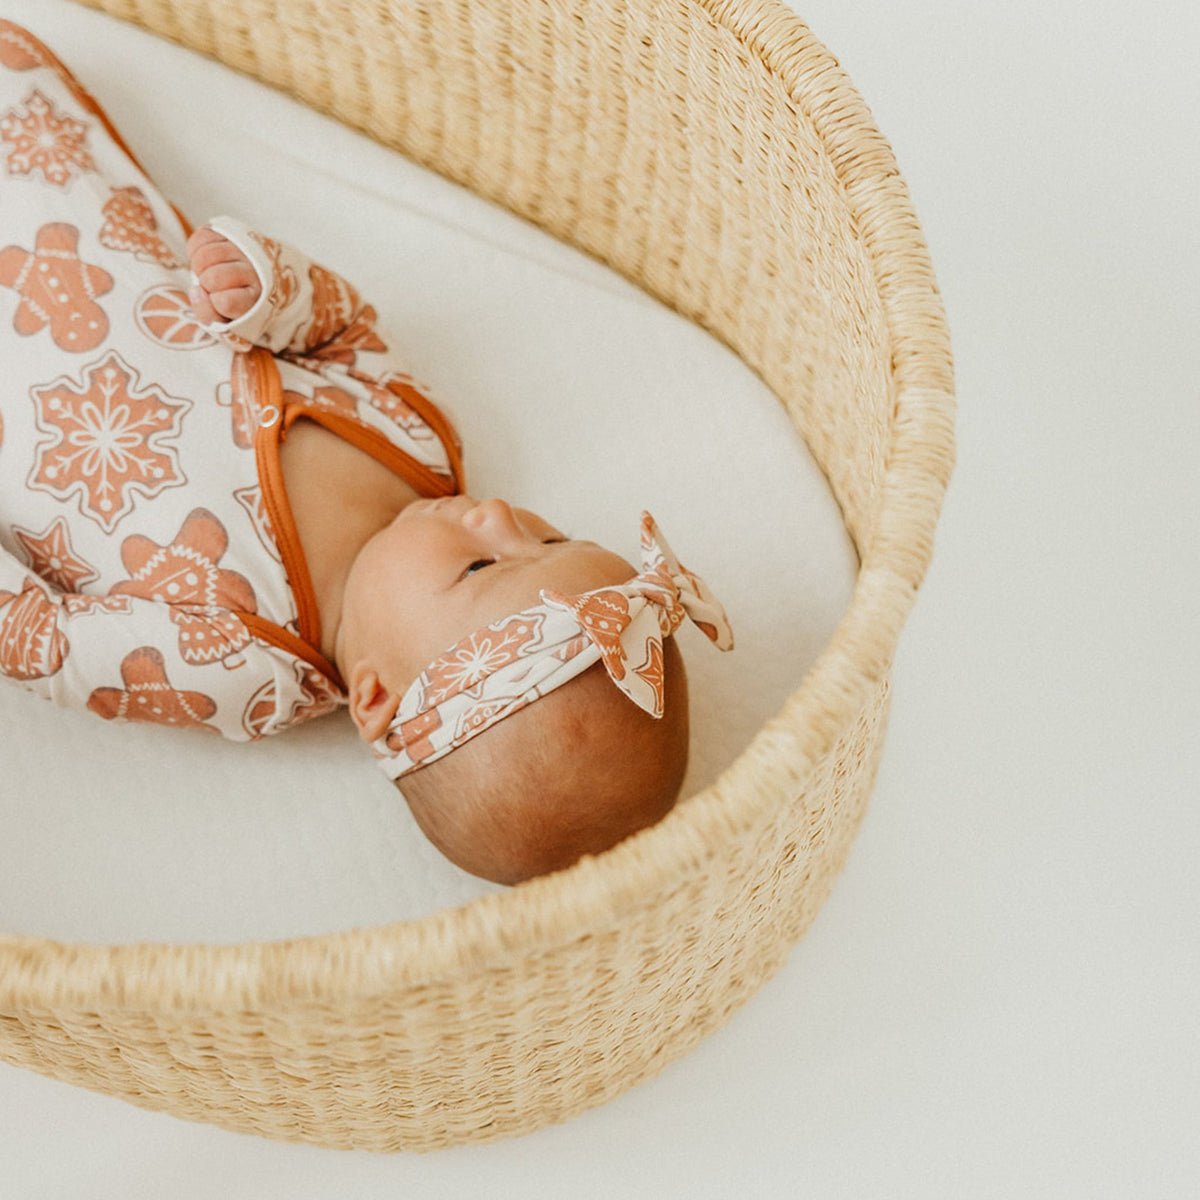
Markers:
(150, 568)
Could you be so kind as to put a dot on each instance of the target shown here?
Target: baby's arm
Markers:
(256, 290)
(111, 655)
(64, 645)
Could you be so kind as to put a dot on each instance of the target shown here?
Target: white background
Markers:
(1000, 998)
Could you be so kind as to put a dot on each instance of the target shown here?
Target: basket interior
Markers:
(525, 339)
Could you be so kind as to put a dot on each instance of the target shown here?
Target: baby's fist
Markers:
(228, 281)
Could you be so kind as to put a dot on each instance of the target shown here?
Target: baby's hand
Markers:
(228, 282)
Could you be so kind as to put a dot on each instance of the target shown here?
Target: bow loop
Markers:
(627, 622)
(688, 590)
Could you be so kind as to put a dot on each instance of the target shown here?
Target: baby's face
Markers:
(444, 568)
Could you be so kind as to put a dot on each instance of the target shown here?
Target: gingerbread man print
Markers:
(184, 574)
(148, 696)
(57, 288)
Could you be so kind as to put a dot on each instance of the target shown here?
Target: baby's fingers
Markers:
(227, 305)
(201, 305)
(206, 248)
(228, 283)
(231, 289)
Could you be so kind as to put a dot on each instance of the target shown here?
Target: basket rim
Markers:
(597, 892)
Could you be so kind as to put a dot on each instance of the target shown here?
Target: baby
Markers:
(218, 483)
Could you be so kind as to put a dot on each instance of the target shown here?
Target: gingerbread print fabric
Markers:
(496, 671)
(136, 540)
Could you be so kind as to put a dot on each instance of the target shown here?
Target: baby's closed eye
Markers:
(487, 562)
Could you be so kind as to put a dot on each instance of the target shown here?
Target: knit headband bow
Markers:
(499, 669)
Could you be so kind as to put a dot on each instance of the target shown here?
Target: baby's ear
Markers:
(372, 703)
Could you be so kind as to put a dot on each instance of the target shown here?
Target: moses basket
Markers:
(714, 153)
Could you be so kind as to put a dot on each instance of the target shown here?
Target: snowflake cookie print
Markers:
(108, 440)
(39, 139)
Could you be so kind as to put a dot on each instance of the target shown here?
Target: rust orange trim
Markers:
(276, 635)
(426, 481)
(268, 391)
(438, 422)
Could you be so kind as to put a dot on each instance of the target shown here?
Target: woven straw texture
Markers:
(714, 153)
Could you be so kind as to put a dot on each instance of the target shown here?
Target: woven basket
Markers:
(713, 152)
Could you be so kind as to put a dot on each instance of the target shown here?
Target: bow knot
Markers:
(627, 622)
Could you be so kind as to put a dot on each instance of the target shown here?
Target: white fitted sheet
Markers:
(541, 355)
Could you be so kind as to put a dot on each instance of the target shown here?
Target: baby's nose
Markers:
(496, 513)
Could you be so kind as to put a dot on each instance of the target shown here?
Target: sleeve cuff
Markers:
(249, 325)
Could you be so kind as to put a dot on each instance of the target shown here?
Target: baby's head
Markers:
(574, 772)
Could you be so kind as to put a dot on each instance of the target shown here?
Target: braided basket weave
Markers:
(714, 153)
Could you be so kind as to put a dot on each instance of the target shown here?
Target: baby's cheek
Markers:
(395, 616)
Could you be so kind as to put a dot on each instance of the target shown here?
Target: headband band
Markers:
(499, 669)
